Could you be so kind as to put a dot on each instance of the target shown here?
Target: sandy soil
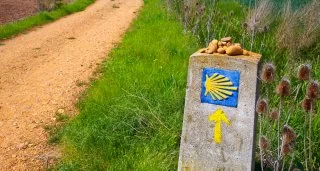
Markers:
(40, 74)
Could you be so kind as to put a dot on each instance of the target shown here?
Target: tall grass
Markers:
(299, 30)
(131, 118)
(11, 29)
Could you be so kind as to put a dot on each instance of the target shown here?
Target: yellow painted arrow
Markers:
(218, 116)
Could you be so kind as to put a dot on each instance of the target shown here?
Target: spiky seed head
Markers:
(313, 90)
(186, 8)
(286, 149)
(245, 25)
(262, 106)
(307, 104)
(274, 115)
(304, 72)
(283, 89)
(263, 143)
(268, 72)
(288, 135)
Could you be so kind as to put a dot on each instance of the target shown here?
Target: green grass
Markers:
(11, 29)
(131, 118)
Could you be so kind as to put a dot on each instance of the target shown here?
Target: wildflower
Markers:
(313, 90)
(286, 149)
(274, 115)
(304, 72)
(262, 106)
(288, 139)
(283, 89)
(268, 72)
(288, 135)
(263, 143)
(306, 104)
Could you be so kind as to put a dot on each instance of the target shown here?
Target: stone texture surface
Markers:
(11, 10)
(198, 151)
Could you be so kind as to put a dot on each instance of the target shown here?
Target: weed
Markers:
(61, 117)
(80, 83)
(55, 131)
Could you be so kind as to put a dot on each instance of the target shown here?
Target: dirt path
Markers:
(40, 73)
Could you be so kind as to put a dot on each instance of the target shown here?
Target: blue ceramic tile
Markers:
(220, 87)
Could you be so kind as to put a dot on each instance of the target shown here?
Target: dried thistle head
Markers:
(263, 143)
(274, 115)
(307, 104)
(304, 72)
(245, 25)
(268, 72)
(283, 89)
(313, 90)
(286, 149)
(262, 106)
(288, 135)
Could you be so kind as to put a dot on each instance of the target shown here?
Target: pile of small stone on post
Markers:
(225, 46)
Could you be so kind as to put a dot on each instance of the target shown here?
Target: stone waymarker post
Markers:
(219, 119)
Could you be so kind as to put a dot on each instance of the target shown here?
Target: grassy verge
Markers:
(131, 118)
(11, 29)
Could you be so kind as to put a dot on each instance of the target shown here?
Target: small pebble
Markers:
(234, 50)
(245, 52)
(221, 51)
(226, 39)
(202, 50)
(214, 43)
(60, 111)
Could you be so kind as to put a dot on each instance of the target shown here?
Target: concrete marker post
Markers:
(219, 119)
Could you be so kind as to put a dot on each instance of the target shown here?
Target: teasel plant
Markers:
(288, 143)
(304, 75)
(283, 90)
(308, 105)
(262, 109)
(267, 76)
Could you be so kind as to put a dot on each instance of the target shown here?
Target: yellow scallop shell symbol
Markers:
(219, 87)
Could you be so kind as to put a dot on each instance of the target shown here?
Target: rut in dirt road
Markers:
(39, 72)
